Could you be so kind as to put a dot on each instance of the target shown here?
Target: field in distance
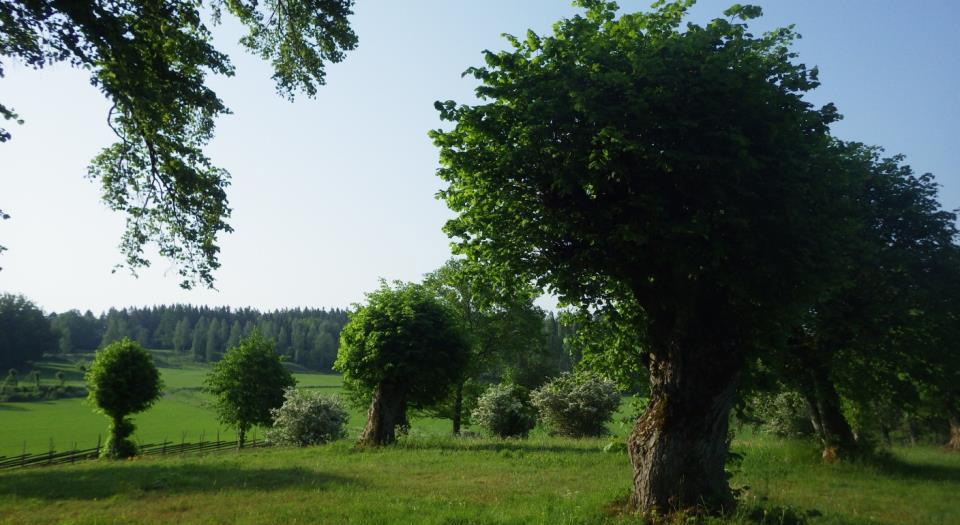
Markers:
(181, 413)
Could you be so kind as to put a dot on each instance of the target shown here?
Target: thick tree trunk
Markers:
(811, 401)
(836, 436)
(953, 417)
(678, 447)
(457, 409)
(387, 411)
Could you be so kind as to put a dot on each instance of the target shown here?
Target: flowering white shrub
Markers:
(504, 410)
(576, 405)
(307, 418)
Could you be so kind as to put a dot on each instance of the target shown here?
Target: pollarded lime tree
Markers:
(406, 349)
(122, 380)
(676, 172)
(247, 384)
(865, 340)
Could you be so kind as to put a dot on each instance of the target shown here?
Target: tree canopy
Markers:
(630, 162)
(247, 384)
(122, 380)
(502, 327)
(25, 333)
(406, 348)
(151, 60)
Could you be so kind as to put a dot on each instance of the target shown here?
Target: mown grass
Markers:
(445, 480)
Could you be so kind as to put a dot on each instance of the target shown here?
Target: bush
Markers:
(504, 410)
(576, 405)
(783, 414)
(307, 418)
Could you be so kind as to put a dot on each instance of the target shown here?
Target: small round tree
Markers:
(504, 410)
(404, 348)
(247, 383)
(122, 380)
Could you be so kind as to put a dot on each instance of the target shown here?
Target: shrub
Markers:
(783, 414)
(504, 410)
(576, 405)
(307, 418)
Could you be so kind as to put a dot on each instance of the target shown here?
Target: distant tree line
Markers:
(306, 336)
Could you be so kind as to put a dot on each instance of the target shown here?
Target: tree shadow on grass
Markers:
(471, 445)
(895, 467)
(158, 477)
(12, 408)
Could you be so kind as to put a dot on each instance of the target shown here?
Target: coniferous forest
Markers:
(306, 336)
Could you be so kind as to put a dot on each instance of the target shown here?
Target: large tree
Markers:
(403, 348)
(862, 341)
(675, 173)
(151, 58)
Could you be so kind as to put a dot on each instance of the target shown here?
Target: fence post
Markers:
(50, 453)
(73, 453)
(97, 453)
(183, 438)
(163, 451)
(23, 456)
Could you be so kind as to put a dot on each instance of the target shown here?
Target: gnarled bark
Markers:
(836, 435)
(679, 446)
(387, 411)
(953, 417)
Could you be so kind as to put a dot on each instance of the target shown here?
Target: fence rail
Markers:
(165, 448)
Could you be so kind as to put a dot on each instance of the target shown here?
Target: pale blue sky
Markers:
(332, 193)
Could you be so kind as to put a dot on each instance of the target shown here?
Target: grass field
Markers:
(429, 477)
(181, 413)
(445, 480)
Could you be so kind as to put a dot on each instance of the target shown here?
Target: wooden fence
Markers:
(52, 457)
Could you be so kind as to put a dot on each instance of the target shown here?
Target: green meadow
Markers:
(446, 480)
(430, 477)
(182, 413)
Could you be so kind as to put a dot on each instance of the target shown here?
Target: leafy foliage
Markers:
(405, 338)
(783, 414)
(247, 384)
(307, 418)
(122, 380)
(24, 331)
(667, 173)
(504, 410)
(151, 60)
(576, 405)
